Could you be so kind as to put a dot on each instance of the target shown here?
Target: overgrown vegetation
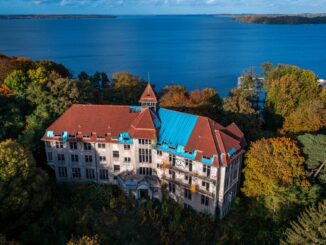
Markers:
(284, 170)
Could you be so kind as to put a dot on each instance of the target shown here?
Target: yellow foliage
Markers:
(271, 166)
(310, 117)
(85, 240)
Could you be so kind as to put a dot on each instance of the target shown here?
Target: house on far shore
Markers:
(150, 152)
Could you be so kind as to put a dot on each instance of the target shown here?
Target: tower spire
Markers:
(148, 98)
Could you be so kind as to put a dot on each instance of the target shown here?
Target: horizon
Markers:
(160, 7)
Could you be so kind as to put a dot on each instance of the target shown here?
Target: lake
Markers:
(194, 51)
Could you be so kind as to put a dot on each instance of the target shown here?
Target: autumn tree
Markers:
(310, 117)
(237, 108)
(51, 66)
(10, 64)
(310, 228)
(174, 96)
(288, 88)
(85, 240)
(274, 172)
(314, 149)
(18, 82)
(126, 89)
(23, 188)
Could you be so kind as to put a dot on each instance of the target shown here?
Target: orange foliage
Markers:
(5, 90)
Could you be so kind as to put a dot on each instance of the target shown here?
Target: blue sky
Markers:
(160, 6)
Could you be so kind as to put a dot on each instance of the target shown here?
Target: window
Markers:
(76, 173)
(116, 168)
(102, 158)
(61, 157)
(59, 144)
(127, 159)
(90, 173)
(159, 153)
(62, 172)
(205, 184)
(116, 154)
(50, 156)
(88, 158)
(171, 187)
(173, 174)
(104, 174)
(126, 147)
(87, 146)
(186, 206)
(74, 158)
(189, 179)
(48, 144)
(204, 200)
(207, 170)
(73, 145)
(145, 171)
(187, 194)
(189, 164)
(235, 174)
(145, 155)
(144, 141)
(172, 159)
(101, 146)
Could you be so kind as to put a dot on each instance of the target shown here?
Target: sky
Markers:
(134, 7)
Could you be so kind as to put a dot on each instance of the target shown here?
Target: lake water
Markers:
(194, 51)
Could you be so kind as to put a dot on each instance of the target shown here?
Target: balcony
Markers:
(192, 187)
(192, 173)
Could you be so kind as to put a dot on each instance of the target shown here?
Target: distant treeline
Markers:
(56, 16)
(282, 19)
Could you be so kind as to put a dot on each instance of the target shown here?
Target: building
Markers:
(148, 151)
(258, 93)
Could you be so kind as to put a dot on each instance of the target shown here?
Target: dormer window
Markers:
(207, 158)
(87, 136)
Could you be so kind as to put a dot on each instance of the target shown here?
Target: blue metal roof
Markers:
(176, 127)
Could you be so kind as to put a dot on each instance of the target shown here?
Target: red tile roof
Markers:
(148, 95)
(107, 122)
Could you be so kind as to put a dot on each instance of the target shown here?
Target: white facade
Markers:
(204, 188)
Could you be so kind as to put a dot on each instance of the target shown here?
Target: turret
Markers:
(148, 98)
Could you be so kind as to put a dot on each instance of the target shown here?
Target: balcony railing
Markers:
(192, 173)
(193, 188)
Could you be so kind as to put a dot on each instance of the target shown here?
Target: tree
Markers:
(10, 64)
(58, 94)
(12, 118)
(205, 102)
(48, 65)
(174, 96)
(205, 97)
(17, 82)
(23, 188)
(314, 148)
(274, 171)
(310, 228)
(288, 87)
(85, 240)
(237, 108)
(310, 117)
(126, 89)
